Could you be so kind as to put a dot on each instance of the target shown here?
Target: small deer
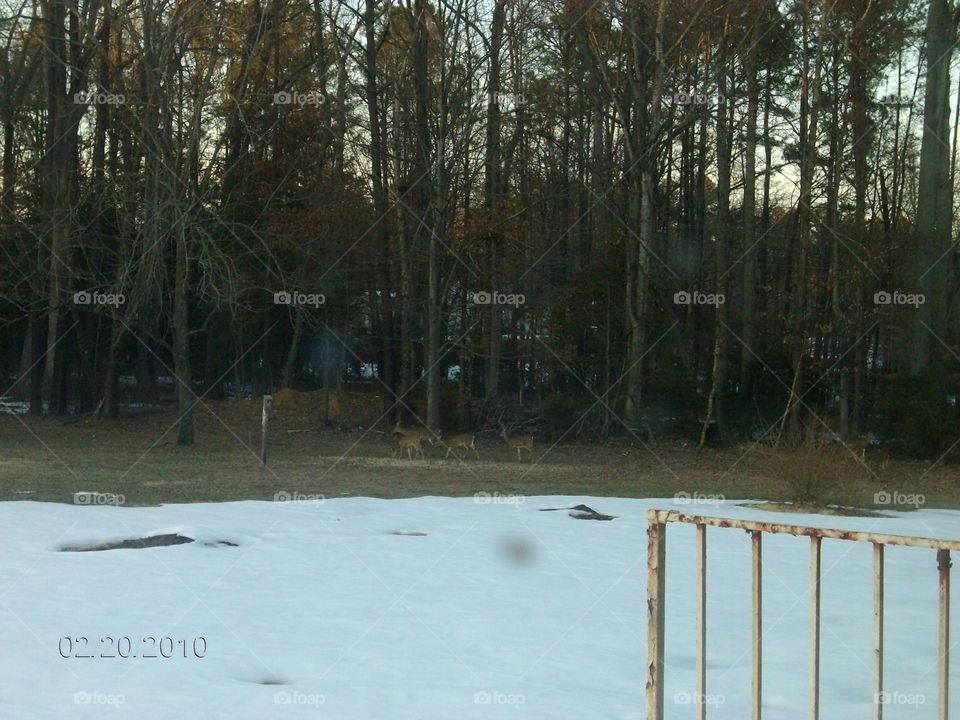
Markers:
(411, 445)
(464, 440)
(518, 442)
(833, 443)
(422, 434)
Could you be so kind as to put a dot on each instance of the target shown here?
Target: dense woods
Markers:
(724, 219)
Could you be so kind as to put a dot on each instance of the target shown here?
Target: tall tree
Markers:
(935, 194)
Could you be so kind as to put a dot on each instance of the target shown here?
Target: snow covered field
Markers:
(499, 611)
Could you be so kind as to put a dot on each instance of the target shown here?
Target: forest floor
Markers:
(44, 459)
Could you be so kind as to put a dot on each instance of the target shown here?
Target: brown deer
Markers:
(464, 440)
(833, 443)
(422, 434)
(518, 442)
(411, 444)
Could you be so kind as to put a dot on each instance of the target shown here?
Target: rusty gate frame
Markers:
(656, 605)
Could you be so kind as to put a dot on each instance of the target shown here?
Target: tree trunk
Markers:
(110, 407)
(647, 105)
(748, 349)
(22, 389)
(181, 341)
(935, 201)
(493, 192)
(286, 376)
(809, 115)
(379, 195)
(57, 194)
(724, 233)
(425, 204)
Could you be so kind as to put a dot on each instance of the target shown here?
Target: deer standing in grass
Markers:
(852, 447)
(421, 434)
(464, 440)
(518, 442)
(412, 446)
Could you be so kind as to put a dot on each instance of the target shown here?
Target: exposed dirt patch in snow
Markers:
(132, 543)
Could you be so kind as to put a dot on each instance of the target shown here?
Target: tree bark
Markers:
(181, 341)
(721, 241)
(647, 104)
(380, 206)
(748, 349)
(809, 116)
(58, 164)
(935, 200)
(492, 195)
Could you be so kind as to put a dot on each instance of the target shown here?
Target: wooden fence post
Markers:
(656, 596)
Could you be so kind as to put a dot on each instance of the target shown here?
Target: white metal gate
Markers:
(656, 605)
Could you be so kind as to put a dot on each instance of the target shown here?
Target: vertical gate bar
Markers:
(877, 631)
(943, 689)
(814, 698)
(656, 596)
(755, 541)
(701, 621)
